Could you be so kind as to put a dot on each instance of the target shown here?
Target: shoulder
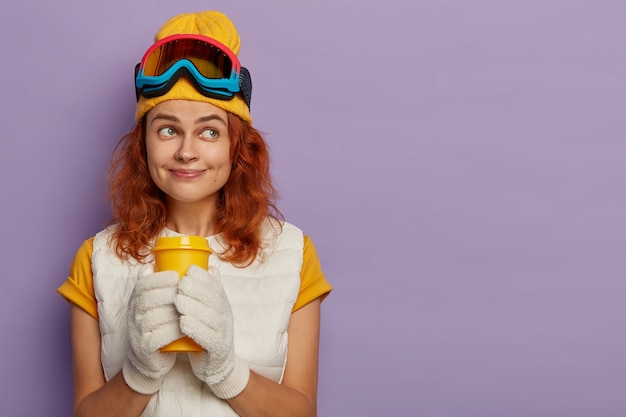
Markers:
(106, 233)
(280, 237)
(104, 240)
(282, 234)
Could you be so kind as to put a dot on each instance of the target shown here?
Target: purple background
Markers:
(459, 165)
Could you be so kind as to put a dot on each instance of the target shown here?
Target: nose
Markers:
(186, 151)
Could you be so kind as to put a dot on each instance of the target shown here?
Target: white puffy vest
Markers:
(262, 296)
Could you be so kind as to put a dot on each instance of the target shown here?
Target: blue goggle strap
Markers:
(223, 88)
(227, 84)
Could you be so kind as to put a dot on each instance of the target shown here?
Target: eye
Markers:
(209, 134)
(167, 132)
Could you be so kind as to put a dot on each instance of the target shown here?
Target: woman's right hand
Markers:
(153, 322)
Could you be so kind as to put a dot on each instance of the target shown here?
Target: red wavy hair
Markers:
(247, 199)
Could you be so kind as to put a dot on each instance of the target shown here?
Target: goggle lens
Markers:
(208, 59)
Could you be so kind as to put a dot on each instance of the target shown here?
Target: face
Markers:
(188, 150)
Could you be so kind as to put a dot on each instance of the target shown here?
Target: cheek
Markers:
(152, 160)
(221, 156)
(224, 165)
(226, 160)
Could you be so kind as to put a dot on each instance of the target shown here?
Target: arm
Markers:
(297, 395)
(206, 317)
(92, 396)
(152, 323)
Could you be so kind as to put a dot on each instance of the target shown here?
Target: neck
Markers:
(193, 219)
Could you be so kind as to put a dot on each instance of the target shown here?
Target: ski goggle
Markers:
(209, 65)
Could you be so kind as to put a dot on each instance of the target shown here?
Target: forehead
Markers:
(187, 111)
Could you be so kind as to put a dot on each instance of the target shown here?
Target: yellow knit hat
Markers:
(209, 23)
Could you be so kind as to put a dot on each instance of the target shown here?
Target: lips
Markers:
(186, 173)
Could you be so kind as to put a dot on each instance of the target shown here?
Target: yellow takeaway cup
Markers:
(178, 253)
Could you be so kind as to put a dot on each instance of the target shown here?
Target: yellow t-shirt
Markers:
(78, 287)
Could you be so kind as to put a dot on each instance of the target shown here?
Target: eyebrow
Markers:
(199, 120)
(209, 118)
(166, 117)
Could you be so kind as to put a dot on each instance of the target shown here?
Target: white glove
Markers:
(152, 323)
(206, 317)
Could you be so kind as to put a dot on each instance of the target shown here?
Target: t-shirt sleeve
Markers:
(313, 283)
(78, 287)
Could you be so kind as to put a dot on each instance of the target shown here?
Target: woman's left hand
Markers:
(207, 318)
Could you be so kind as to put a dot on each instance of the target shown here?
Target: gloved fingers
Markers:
(161, 279)
(155, 289)
(204, 335)
(161, 336)
(204, 287)
(208, 315)
(153, 318)
(145, 343)
(211, 276)
(154, 367)
(154, 298)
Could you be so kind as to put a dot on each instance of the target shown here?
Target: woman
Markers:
(194, 165)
